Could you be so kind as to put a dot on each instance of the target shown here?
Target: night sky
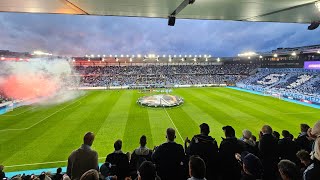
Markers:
(80, 35)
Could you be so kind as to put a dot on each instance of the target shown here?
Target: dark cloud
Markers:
(80, 35)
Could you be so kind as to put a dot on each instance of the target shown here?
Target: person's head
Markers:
(1, 168)
(315, 131)
(285, 134)
(147, 171)
(304, 157)
(88, 138)
(171, 134)
(204, 129)
(252, 164)
(229, 131)
(276, 134)
(288, 170)
(59, 170)
(246, 134)
(197, 167)
(117, 145)
(266, 129)
(143, 140)
(304, 127)
(253, 138)
(91, 174)
(316, 149)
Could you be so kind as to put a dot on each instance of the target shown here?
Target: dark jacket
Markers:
(303, 142)
(119, 164)
(2, 175)
(82, 160)
(207, 148)
(230, 167)
(288, 149)
(269, 156)
(313, 171)
(170, 160)
(138, 156)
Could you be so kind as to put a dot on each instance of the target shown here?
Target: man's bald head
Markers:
(88, 138)
(171, 134)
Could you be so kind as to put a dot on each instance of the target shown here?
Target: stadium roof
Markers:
(297, 11)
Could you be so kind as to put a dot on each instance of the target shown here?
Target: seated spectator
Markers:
(105, 172)
(2, 174)
(206, 147)
(288, 170)
(197, 168)
(287, 147)
(313, 170)
(251, 166)
(147, 171)
(230, 168)
(303, 141)
(119, 161)
(250, 145)
(268, 152)
(82, 159)
(305, 159)
(58, 175)
(169, 158)
(139, 155)
(92, 174)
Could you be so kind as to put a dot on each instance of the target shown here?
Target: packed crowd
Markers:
(162, 75)
(303, 82)
(269, 158)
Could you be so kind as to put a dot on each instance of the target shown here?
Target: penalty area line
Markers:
(175, 127)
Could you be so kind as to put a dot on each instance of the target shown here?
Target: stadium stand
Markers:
(233, 155)
(94, 76)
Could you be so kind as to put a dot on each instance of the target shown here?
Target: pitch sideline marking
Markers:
(32, 164)
(300, 112)
(175, 127)
(3, 130)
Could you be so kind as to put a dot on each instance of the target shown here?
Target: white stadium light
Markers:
(180, 55)
(104, 55)
(86, 55)
(260, 57)
(73, 60)
(115, 55)
(249, 57)
(21, 59)
(110, 55)
(174, 56)
(205, 55)
(246, 54)
(130, 59)
(92, 55)
(164, 56)
(275, 55)
(132, 56)
(195, 56)
(89, 60)
(98, 55)
(127, 55)
(185, 56)
(102, 59)
(293, 53)
(190, 56)
(2, 58)
(218, 59)
(199, 56)
(121, 55)
(139, 55)
(209, 56)
(206, 59)
(170, 59)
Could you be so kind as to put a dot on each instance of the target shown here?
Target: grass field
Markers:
(34, 137)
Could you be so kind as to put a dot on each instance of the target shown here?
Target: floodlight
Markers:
(92, 55)
(293, 53)
(139, 55)
(130, 59)
(98, 55)
(260, 57)
(104, 55)
(218, 59)
(275, 55)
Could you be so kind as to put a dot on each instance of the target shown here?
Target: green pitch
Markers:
(36, 137)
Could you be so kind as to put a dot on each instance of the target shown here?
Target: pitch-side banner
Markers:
(314, 65)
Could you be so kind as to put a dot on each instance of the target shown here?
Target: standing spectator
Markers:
(313, 171)
(58, 175)
(139, 155)
(288, 170)
(2, 174)
(169, 158)
(250, 144)
(82, 159)
(230, 168)
(119, 161)
(305, 159)
(147, 171)
(251, 166)
(197, 168)
(303, 141)
(287, 147)
(206, 147)
(268, 150)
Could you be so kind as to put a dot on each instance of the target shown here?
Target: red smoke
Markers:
(28, 86)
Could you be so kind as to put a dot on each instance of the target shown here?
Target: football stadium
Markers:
(160, 114)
